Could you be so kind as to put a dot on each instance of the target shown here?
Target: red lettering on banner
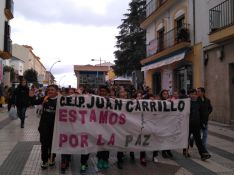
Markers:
(100, 140)
(84, 140)
(92, 117)
(63, 115)
(83, 113)
(62, 139)
(73, 141)
(122, 119)
(72, 114)
(103, 117)
(113, 118)
(112, 140)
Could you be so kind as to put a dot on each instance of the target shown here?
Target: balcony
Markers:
(179, 37)
(155, 8)
(222, 21)
(9, 9)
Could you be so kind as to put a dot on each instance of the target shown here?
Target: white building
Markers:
(31, 61)
(6, 14)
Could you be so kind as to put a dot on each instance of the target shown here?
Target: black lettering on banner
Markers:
(128, 140)
(91, 102)
(153, 106)
(181, 105)
(62, 101)
(159, 106)
(69, 101)
(108, 104)
(128, 107)
(138, 141)
(172, 106)
(81, 101)
(99, 102)
(138, 106)
(146, 141)
(165, 107)
(145, 106)
(118, 104)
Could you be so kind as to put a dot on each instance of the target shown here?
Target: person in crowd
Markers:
(175, 95)
(206, 109)
(10, 93)
(66, 158)
(84, 157)
(182, 94)
(143, 153)
(21, 100)
(46, 124)
(123, 95)
(103, 156)
(194, 124)
(40, 94)
(164, 95)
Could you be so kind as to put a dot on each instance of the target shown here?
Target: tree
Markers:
(131, 40)
(31, 76)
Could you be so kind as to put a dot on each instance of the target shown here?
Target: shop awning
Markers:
(165, 61)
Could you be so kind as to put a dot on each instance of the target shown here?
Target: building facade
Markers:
(189, 44)
(173, 60)
(216, 31)
(6, 14)
(90, 76)
(31, 61)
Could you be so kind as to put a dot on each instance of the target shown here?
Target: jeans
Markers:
(21, 114)
(204, 133)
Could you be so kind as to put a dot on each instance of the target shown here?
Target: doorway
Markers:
(184, 78)
(157, 83)
(231, 86)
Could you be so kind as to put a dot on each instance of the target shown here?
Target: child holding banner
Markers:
(103, 156)
(46, 125)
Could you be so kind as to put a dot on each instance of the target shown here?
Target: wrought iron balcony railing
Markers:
(169, 39)
(153, 5)
(221, 15)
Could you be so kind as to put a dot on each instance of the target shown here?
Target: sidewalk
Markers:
(20, 154)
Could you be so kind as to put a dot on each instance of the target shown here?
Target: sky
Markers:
(73, 31)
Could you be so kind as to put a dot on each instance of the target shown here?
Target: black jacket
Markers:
(206, 109)
(195, 112)
(46, 124)
(21, 96)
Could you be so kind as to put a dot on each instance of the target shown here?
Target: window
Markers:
(180, 22)
(160, 39)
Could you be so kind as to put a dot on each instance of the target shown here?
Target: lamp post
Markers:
(100, 60)
(51, 69)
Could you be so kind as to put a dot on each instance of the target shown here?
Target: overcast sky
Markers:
(73, 31)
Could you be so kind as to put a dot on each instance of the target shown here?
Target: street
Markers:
(20, 154)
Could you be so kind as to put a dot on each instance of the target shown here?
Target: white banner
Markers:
(86, 124)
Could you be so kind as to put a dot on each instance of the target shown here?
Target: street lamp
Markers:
(51, 69)
(100, 60)
(54, 64)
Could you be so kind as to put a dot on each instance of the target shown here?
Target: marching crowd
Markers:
(23, 97)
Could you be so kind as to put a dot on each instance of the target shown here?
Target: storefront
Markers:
(171, 72)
